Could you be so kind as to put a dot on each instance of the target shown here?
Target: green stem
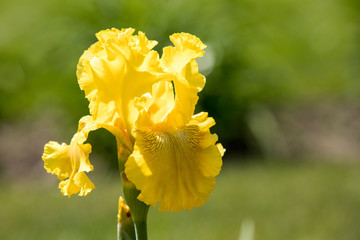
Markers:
(141, 230)
(139, 210)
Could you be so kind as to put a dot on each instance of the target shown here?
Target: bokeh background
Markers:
(283, 83)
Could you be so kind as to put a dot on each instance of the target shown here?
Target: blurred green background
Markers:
(283, 84)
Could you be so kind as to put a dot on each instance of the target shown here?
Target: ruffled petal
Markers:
(114, 33)
(69, 161)
(192, 75)
(141, 43)
(116, 69)
(190, 44)
(187, 47)
(154, 108)
(56, 159)
(180, 62)
(173, 166)
(79, 184)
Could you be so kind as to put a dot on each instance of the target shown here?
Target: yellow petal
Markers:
(141, 43)
(79, 184)
(154, 108)
(188, 43)
(184, 106)
(88, 124)
(222, 150)
(115, 70)
(202, 120)
(187, 47)
(123, 141)
(180, 62)
(68, 187)
(108, 34)
(86, 186)
(192, 75)
(171, 166)
(69, 161)
(56, 159)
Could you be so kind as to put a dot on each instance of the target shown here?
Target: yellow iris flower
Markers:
(147, 103)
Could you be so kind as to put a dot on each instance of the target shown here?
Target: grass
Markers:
(283, 201)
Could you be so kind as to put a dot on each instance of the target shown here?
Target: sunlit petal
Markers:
(115, 70)
(170, 166)
(180, 62)
(56, 159)
(69, 161)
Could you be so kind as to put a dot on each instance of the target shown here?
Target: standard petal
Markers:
(187, 47)
(188, 43)
(192, 75)
(141, 43)
(108, 34)
(114, 71)
(184, 106)
(154, 108)
(180, 62)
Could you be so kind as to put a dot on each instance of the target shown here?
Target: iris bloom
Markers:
(147, 103)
